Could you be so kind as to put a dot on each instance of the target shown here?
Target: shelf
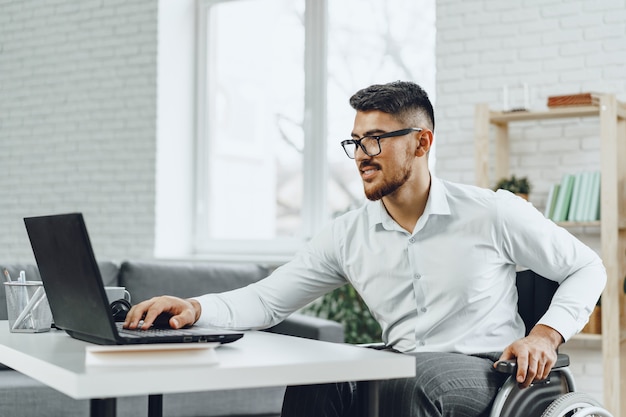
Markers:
(567, 225)
(499, 117)
(587, 337)
(493, 127)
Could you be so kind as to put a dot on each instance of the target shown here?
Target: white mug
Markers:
(117, 293)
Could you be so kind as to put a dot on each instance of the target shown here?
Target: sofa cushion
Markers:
(147, 279)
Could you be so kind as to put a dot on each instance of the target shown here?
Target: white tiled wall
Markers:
(78, 120)
(556, 47)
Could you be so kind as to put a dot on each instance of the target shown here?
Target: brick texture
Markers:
(78, 120)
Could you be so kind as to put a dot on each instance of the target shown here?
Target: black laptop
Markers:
(75, 291)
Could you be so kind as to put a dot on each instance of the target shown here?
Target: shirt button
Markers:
(412, 240)
(422, 343)
(423, 309)
(418, 276)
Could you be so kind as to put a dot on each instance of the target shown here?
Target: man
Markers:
(434, 261)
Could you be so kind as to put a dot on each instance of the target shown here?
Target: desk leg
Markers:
(368, 399)
(103, 407)
(155, 405)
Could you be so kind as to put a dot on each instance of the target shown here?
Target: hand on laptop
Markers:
(183, 312)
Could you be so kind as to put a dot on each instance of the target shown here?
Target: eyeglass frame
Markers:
(357, 142)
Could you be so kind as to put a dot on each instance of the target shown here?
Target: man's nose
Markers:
(359, 154)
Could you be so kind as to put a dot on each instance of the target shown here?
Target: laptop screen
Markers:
(70, 275)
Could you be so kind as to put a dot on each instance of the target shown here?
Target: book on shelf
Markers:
(593, 210)
(551, 202)
(580, 99)
(563, 199)
(575, 199)
(574, 206)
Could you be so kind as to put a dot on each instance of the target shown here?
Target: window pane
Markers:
(371, 42)
(254, 129)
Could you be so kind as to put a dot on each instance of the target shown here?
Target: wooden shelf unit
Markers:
(612, 120)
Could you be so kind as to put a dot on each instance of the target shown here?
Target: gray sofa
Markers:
(23, 396)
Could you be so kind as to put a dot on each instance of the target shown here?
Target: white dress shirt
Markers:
(448, 286)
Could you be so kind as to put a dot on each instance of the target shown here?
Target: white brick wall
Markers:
(557, 47)
(78, 120)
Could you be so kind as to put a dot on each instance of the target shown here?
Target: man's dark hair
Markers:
(402, 99)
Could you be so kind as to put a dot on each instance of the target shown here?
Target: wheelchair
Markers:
(556, 396)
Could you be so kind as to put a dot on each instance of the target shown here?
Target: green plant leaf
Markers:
(346, 306)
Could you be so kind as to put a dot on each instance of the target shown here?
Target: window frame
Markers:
(314, 210)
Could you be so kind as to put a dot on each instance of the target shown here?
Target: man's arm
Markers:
(262, 304)
(531, 240)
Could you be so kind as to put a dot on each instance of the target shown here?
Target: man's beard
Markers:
(388, 187)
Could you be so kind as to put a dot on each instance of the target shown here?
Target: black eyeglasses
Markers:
(371, 144)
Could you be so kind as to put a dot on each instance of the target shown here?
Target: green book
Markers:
(576, 200)
(564, 198)
(582, 204)
(594, 197)
(584, 208)
(551, 201)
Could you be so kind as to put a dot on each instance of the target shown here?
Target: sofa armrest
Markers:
(310, 327)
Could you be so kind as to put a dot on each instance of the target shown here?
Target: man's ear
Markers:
(424, 142)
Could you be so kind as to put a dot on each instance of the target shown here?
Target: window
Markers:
(274, 78)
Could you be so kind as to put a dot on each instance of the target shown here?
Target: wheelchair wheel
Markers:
(575, 404)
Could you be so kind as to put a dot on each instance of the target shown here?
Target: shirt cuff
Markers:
(563, 321)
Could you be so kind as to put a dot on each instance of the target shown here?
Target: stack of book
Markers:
(582, 99)
(575, 199)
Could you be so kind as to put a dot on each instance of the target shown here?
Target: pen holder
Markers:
(28, 310)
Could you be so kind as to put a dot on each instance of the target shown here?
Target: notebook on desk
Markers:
(75, 291)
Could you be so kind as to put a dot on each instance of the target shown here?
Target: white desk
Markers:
(259, 359)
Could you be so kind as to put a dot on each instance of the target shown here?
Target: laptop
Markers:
(75, 291)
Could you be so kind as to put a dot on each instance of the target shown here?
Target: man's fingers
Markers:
(182, 313)
(529, 374)
(536, 370)
(506, 355)
(147, 311)
(543, 371)
(522, 369)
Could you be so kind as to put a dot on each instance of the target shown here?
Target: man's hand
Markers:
(535, 354)
(183, 312)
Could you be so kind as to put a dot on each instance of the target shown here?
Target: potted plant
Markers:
(520, 186)
(345, 306)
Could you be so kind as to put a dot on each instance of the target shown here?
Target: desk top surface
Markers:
(259, 359)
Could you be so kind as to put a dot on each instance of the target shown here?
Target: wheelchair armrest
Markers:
(510, 366)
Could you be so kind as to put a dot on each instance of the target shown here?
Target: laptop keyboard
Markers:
(151, 332)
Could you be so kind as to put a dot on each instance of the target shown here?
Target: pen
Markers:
(7, 276)
(31, 306)
(22, 294)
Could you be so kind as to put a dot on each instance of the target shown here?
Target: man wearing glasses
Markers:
(434, 261)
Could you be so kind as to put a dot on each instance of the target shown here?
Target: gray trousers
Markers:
(446, 385)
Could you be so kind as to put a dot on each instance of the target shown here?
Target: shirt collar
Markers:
(437, 204)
